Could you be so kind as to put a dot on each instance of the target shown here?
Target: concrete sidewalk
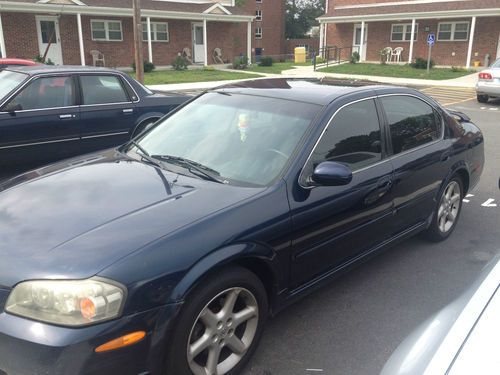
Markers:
(468, 81)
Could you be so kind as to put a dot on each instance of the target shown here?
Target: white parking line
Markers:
(467, 196)
(489, 203)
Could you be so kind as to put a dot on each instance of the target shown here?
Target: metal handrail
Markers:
(333, 55)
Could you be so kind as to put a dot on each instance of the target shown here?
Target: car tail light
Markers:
(485, 76)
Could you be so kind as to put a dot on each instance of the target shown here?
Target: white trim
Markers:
(258, 33)
(150, 44)
(257, 17)
(2, 39)
(498, 47)
(404, 32)
(249, 42)
(471, 41)
(80, 39)
(226, 2)
(491, 12)
(412, 40)
(452, 31)
(321, 39)
(77, 2)
(106, 30)
(215, 6)
(397, 3)
(205, 43)
(362, 42)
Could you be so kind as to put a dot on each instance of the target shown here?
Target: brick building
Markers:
(74, 28)
(465, 30)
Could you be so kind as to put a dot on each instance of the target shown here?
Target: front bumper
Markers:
(33, 348)
(488, 88)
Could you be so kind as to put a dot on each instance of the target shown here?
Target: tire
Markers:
(482, 98)
(207, 321)
(142, 126)
(447, 211)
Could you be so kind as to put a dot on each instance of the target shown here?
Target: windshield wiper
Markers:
(145, 155)
(205, 172)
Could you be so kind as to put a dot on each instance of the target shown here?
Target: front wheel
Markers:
(219, 326)
(482, 98)
(448, 210)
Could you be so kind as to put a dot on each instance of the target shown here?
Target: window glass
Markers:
(102, 90)
(98, 30)
(461, 31)
(412, 122)
(9, 81)
(50, 92)
(444, 32)
(115, 30)
(352, 139)
(48, 31)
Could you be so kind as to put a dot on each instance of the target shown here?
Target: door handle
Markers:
(384, 184)
(128, 110)
(64, 117)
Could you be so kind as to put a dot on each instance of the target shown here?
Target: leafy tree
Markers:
(301, 16)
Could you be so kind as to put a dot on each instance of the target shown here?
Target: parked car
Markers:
(166, 255)
(488, 84)
(461, 339)
(8, 62)
(50, 113)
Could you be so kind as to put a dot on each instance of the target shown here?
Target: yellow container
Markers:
(300, 55)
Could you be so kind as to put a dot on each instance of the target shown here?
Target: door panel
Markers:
(107, 114)
(45, 125)
(49, 39)
(334, 224)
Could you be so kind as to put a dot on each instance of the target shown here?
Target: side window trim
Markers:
(387, 126)
(31, 81)
(120, 81)
(301, 178)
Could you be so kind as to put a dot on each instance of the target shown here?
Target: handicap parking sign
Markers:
(431, 38)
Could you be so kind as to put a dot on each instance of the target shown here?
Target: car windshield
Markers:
(496, 64)
(236, 138)
(9, 81)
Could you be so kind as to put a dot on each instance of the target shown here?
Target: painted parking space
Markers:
(450, 95)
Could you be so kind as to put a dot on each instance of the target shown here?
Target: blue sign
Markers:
(431, 39)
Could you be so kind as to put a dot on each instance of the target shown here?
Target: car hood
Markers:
(73, 219)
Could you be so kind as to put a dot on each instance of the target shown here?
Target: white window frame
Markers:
(406, 30)
(154, 31)
(258, 33)
(258, 1)
(106, 30)
(258, 15)
(452, 35)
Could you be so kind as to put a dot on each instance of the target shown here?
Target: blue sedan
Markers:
(50, 113)
(167, 254)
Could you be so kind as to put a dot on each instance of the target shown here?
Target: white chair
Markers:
(186, 53)
(396, 54)
(217, 56)
(96, 57)
(387, 52)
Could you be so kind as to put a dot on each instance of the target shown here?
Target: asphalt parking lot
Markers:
(352, 326)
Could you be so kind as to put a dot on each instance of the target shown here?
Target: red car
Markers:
(6, 62)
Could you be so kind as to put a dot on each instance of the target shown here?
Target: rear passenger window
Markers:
(352, 138)
(102, 90)
(412, 122)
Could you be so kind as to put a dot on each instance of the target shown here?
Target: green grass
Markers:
(276, 68)
(160, 77)
(398, 71)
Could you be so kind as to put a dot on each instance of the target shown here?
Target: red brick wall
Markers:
(20, 35)
(272, 24)
(443, 53)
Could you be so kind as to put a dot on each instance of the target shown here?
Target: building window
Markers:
(258, 1)
(258, 32)
(106, 30)
(159, 31)
(258, 15)
(453, 31)
(401, 32)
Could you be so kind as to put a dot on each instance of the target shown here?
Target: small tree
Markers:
(355, 57)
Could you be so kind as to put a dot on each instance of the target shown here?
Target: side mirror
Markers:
(330, 173)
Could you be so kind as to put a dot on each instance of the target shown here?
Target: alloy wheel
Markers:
(449, 207)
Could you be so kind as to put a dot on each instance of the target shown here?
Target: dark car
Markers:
(50, 113)
(167, 254)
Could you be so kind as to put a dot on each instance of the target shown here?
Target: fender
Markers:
(458, 166)
(220, 258)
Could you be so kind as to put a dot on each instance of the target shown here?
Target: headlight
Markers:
(70, 303)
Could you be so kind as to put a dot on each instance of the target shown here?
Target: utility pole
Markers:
(139, 58)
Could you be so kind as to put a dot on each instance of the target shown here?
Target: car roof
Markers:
(316, 91)
(48, 69)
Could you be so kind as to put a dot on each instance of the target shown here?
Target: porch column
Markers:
(2, 40)
(80, 39)
(410, 54)
(249, 42)
(205, 42)
(362, 41)
(471, 42)
(321, 39)
(150, 43)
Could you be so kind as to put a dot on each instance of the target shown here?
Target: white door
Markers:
(49, 39)
(356, 42)
(198, 43)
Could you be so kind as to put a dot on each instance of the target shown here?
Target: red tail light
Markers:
(485, 76)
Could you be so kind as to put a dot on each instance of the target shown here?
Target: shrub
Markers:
(148, 66)
(240, 62)
(458, 69)
(421, 63)
(320, 60)
(266, 61)
(355, 57)
(180, 63)
(209, 69)
(39, 59)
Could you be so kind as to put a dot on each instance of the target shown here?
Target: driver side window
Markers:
(353, 138)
